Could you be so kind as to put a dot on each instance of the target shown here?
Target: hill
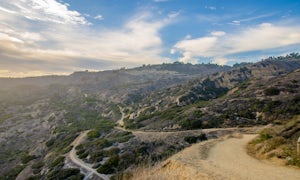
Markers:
(41, 116)
(240, 97)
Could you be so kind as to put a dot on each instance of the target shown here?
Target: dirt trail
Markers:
(120, 121)
(223, 158)
(229, 158)
(84, 167)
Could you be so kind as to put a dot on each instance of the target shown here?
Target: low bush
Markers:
(194, 139)
(70, 173)
(264, 135)
(93, 134)
(272, 91)
(58, 161)
(110, 166)
(25, 158)
(112, 151)
(13, 173)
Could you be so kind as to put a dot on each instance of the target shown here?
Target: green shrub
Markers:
(190, 123)
(243, 85)
(294, 81)
(275, 142)
(112, 151)
(37, 167)
(96, 156)
(110, 166)
(170, 150)
(272, 91)
(13, 173)
(64, 173)
(194, 139)
(25, 158)
(58, 161)
(191, 139)
(83, 155)
(93, 134)
(70, 173)
(121, 137)
(36, 177)
(103, 143)
(80, 151)
(264, 136)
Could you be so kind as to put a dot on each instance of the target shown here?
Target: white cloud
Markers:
(44, 10)
(191, 48)
(40, 43)
(218, 45)
(261, 16)
(211, 7)
(99, 17)
(220, 60)
(173, 14)
(160, 0)
(188, 36)
(235, 22)
(218, 33)
(172, 51)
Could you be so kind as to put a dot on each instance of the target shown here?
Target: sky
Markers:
(47, 37)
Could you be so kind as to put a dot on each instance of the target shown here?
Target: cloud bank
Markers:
(40, 35)
(219, 44)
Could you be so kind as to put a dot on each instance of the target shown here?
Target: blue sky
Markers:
(39, 37)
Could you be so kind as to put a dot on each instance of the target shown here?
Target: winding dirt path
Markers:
(218, 159)
(86, 168)
(230, 160)
(120, 121)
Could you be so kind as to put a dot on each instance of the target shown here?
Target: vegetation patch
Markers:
(110, 166)
(278, 142)
(194, 139)
(272, 91)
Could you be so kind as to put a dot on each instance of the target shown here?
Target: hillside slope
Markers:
(258, 93)
(278, 143)
(40, 117)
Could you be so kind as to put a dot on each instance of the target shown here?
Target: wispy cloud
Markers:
(99, 17)
(235, 22)
(218, 33)
(160, 0)
(211, 8)
(252, 18)
(174, 14)
(218, 45)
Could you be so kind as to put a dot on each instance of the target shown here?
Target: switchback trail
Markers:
(120, 121)
(84, 167)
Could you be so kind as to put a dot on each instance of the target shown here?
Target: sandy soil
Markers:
(223, 158)
(229, 158)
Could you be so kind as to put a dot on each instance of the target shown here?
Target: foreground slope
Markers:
(218, 159)
(278, 143)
